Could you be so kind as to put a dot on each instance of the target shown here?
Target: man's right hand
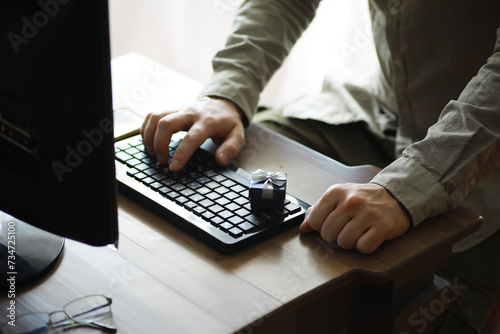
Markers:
(204, 118)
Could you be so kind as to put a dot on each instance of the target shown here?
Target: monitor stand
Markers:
(26, 252)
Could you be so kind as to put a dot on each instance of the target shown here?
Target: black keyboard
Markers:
(207, 201)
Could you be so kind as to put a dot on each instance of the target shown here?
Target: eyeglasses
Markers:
(85, 311)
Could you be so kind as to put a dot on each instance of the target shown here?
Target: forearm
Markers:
(263, 34)
(436, 174)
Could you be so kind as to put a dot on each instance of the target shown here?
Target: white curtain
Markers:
(184, 35)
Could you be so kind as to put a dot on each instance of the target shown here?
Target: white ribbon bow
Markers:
(269, 179)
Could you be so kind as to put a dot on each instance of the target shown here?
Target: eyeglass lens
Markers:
(86, 310)
(90, 308)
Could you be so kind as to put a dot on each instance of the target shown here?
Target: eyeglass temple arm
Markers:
(96, 324)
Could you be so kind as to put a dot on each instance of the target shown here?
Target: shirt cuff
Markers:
(414, 188)
(231, 86)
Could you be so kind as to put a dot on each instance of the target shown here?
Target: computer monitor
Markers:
(56, 132)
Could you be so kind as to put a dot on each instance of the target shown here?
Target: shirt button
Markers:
(394, 7)
(472, 182)
(397, 62)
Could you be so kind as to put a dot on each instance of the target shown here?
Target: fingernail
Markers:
(175, 165)
(161, 159)
(223, 158)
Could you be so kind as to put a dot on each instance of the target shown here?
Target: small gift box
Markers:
(267, 190)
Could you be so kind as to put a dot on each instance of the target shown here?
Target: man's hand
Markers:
(360, 216)
(204, 118)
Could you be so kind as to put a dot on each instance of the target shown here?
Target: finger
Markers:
(305, 227)
(350, 233)
(143, 125)
(148, 130)
(370, 240)
(229, 148)
(193, 139)
(320, 211)
(148, 133)
(334, 224)
(167, 126)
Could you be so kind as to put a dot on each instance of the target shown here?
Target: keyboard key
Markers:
(215, 208)
(221, 190)
(181, 199)
(132, 151)
(219, 178)
(190, 205)
(206, 203)
(203, 191)
(292, 208)
(133, 162)
(216, 221)
(222, 201)
(235, 220)
(123, 156)
(242, 201)
(139, 176)
(168, 182)
(212, 195)
(194, 185)
(187, 192)
(150, 171)
(231, 195)
(238, 188)
(225, 214)
(195, 197)
(199, 210)
(148, 180)
(172, 195)
(242, 212)
(226, 226)
(228, 183)
(209, 173)
(207, 215)
(235, 232)
(202, 179)
(255, 220)
(178, 186)
(232, 207)
(156, 185)
(212, 185)
(246, 226)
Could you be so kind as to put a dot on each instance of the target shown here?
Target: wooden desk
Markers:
(164, 281)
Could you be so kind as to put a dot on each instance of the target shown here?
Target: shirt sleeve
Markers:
(463, 147)
(263, 34)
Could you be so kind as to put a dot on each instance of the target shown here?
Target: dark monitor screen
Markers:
(56, 128)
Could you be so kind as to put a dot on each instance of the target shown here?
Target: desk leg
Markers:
(412, 313)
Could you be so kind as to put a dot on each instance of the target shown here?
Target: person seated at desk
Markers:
(429, 116)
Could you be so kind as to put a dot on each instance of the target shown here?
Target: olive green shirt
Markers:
(436, 93)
